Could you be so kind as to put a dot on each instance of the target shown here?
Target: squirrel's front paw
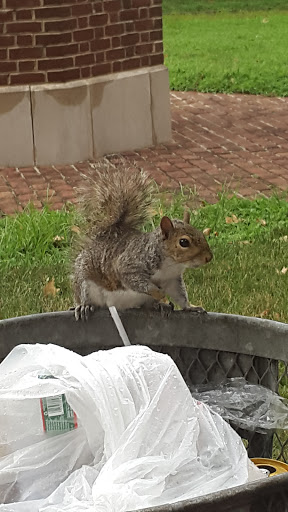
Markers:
(82, 312)
(195, 309)
(165, 308)
(158, 294)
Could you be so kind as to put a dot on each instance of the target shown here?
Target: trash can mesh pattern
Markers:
(202, 366)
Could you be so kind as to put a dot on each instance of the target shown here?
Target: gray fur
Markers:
(119, 265)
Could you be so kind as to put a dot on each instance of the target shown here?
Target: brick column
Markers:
(48, 41)
(80, 79)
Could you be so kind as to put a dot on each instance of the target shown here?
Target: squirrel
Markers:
(121, 266)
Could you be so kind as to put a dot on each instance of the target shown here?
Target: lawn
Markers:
(248, 275)
(35, 247)
(214, 6)
(29, 255)
(221, 47)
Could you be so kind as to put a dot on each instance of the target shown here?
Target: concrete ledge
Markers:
(65, 123)
(16, 131)
(121, 114)
(160, 105)
(62, 124)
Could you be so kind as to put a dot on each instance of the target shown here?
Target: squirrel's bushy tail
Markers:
(116, 199)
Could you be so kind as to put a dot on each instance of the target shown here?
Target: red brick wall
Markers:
(62, 40)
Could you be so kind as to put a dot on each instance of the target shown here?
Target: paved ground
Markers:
(239, 141)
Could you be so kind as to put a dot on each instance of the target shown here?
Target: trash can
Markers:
(207, 349)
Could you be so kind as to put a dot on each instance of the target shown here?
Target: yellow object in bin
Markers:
(275, 467)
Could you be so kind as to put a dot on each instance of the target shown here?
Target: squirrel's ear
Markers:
(186, 217)
(166, 226)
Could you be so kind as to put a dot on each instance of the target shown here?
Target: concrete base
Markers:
(65, 123)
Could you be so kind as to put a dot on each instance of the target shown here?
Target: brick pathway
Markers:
(238, 141)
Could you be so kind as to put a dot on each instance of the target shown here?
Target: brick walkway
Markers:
(239, 141)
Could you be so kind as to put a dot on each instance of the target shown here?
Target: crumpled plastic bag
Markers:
(248, 406)
(141, 439)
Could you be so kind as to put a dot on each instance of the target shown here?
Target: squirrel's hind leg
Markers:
(82, 312)
(91, 297)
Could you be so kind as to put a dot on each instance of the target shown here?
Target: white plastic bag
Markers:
(141, 441)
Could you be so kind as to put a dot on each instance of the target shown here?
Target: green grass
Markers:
(213, 6)
(242, 52)
(29, 256)
(242, 277)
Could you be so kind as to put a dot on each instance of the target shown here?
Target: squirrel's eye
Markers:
(184, 242)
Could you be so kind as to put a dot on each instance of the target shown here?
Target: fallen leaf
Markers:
(262, 222)
(50, 289)
(264, 313)
(75, 229)
(57, 240)
(232, 220)
(284, 238)
(206, 231)
(265, 20)
(282, 271)
(216, 233)
(244, 242)
(152, 212)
